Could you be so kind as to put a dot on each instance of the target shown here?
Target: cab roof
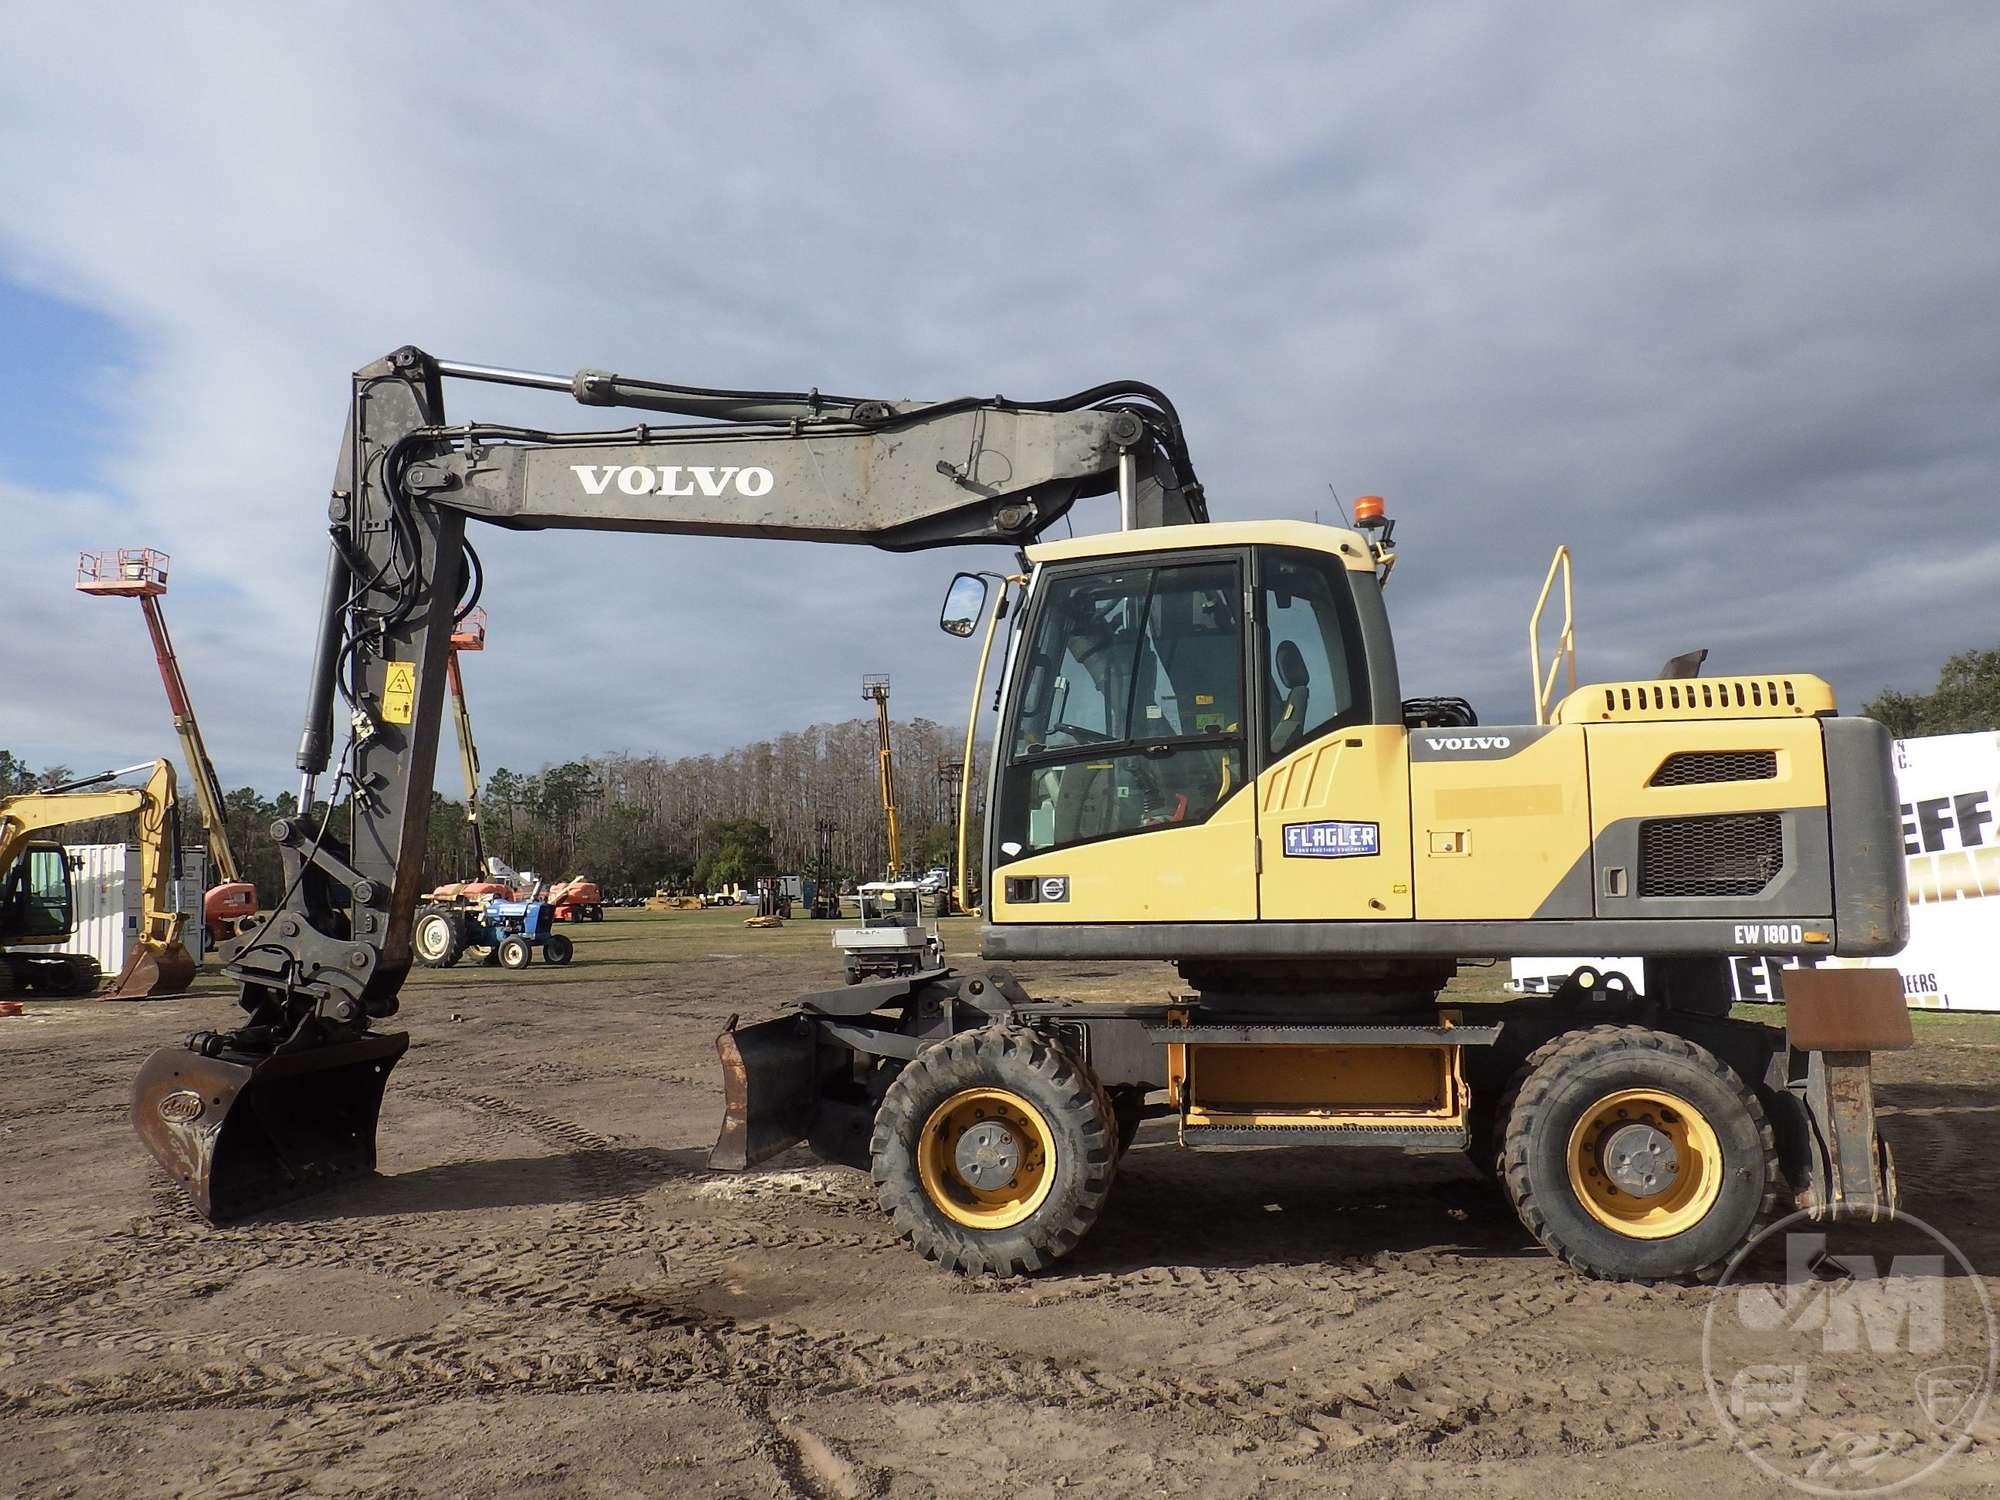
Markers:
(1350, 546)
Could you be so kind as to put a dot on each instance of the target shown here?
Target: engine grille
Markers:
(1730, 854)
(1694, 767)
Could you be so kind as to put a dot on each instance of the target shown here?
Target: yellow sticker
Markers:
(399, 692)
(1204, 698)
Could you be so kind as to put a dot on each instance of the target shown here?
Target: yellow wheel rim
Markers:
(1645, 1163)
(986, 1158)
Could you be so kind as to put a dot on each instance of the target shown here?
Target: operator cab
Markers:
(37, 900)
(1162, 686)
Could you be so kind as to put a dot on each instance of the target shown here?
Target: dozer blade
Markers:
(770, 1088)
(153, 972)
(242, 1133)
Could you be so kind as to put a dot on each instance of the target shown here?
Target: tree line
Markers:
(790, 804)
(805, 802)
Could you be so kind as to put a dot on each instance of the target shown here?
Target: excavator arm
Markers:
(158, 962)
(330, 960)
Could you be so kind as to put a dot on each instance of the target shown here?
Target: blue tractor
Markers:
(489, 929)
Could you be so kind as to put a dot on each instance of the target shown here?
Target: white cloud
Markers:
(1704, 291)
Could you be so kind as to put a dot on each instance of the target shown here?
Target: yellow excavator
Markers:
(1203, 754)
(38, 896)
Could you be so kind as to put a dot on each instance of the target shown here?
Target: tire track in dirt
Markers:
(526, 1275)
(548, 1277)
(305, 1440)
(1420, 1388)
(1460, 1375)
(1369, 1400)
(672, 1346)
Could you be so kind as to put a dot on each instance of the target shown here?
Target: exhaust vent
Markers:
(1732, 854)
(1696, 767)
(1796, 696)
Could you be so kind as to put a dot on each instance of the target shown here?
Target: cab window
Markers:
(1311, 650)
(1131, 711)
(35, 895)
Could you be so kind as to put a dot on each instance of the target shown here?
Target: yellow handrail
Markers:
(1565, 653)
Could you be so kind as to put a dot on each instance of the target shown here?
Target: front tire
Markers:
(436, 939)
(993, 1151)
(558, 949)
(1636, 1155)
(515, 953)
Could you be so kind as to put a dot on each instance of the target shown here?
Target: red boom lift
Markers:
(141, 573)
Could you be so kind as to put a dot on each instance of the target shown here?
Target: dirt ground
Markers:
(546, 1293)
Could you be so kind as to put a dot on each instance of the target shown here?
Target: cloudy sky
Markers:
(1712, 293)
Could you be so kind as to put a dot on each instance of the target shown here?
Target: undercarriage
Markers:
(1636, 1138)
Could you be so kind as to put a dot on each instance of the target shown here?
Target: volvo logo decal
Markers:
(675, 481)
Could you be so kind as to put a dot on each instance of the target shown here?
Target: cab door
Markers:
(1123, 790)
(37, 900)
(1334, 798)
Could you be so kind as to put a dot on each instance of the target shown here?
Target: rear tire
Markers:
(515, 953)
(558, 949)
(436, 939)
(991, 1101)
(1636, 1155)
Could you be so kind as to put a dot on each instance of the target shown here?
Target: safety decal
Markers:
(399, 692)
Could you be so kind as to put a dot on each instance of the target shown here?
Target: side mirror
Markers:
(964, 602)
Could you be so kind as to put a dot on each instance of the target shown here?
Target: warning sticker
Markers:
(399, 692)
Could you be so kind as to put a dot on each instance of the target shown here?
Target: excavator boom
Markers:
(285, 1102)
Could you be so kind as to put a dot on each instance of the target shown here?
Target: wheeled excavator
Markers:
(38, 892)
(1202, 754)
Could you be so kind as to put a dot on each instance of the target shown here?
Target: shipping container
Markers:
(106, 880)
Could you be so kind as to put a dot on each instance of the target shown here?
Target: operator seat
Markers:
(1084, 802)
(1296, 683)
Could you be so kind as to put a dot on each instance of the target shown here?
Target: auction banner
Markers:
(1949, 787)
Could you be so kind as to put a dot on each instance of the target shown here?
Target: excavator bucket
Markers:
(153, 971)
(770, 1089)
(242, 1133)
